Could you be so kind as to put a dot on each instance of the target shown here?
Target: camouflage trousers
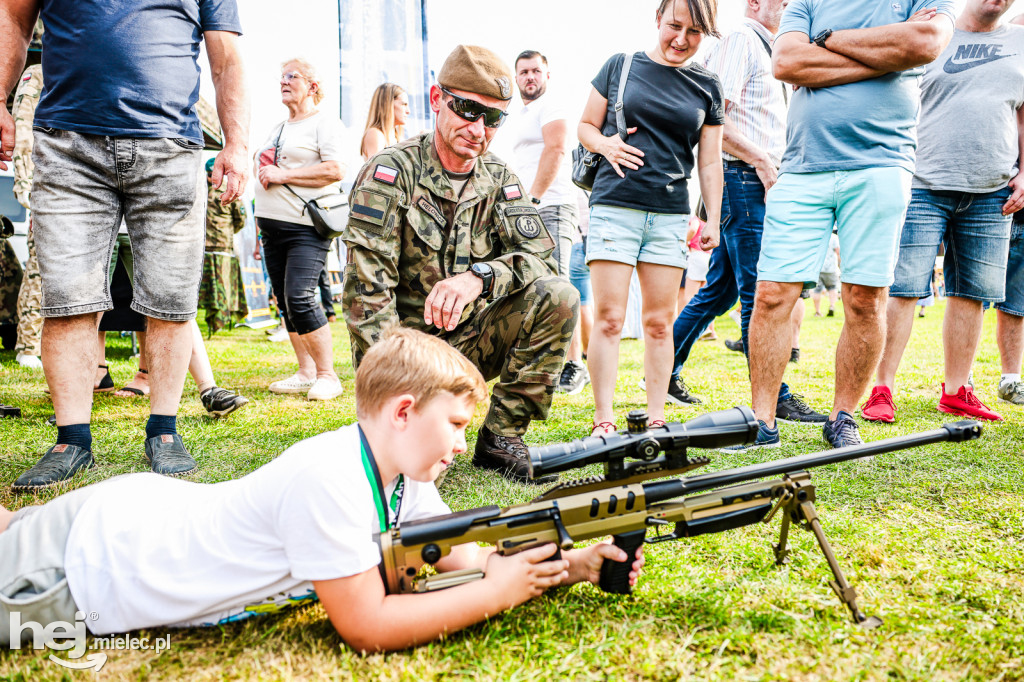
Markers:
(30, 305)
(221, 293)
(522, 339)
(11, 274)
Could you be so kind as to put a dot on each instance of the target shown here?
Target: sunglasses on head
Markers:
(470, 110)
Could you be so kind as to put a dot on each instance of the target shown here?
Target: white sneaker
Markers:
(735, 316)
(30, 361)
(293, 384)
(278, 336)
(325, 389)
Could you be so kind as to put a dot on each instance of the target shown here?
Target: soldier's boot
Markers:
(508, 455)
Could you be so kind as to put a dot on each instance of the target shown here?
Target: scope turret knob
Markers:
(431, 553)
(636, 421)
(648, 449)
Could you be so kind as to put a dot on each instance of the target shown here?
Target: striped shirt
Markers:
(756, 102)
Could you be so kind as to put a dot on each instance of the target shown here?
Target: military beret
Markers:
(478, 70)
(209, 165)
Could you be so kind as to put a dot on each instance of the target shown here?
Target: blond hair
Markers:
(409, 361)
(307, 69)
(382, 114)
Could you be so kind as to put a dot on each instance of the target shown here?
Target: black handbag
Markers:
(584, 161)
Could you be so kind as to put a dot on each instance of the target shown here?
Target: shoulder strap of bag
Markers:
(620, 115)
(277, 146)
(768, 49)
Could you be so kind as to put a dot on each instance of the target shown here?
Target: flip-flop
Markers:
(106, 383)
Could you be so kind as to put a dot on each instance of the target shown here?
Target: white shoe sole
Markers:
(330, 394)
(751, 447)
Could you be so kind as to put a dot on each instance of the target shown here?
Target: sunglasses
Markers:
(471, 110)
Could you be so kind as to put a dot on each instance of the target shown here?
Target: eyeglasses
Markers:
(292, 75)
(471, 110)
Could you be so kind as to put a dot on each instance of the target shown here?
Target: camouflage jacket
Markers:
(408, 230)
(26, 97)
(222, 222)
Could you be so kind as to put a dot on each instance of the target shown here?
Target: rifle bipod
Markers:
(797, 504)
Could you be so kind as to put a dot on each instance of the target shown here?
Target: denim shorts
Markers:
(977, 238)
(868, 206)
(1014, 302)
(32, 579)
(579, 273)
(563, 224)
(629, 236)
(84, 185)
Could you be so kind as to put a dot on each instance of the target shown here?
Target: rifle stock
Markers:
(625, 503)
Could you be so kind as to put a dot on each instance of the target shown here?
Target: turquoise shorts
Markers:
(626, 235)
(868, 207)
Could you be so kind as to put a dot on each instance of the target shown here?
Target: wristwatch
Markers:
(820, 39)
(486, 275)
(535, 200)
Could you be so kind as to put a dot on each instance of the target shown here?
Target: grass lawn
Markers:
(932, 538)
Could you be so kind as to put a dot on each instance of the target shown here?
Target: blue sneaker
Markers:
(766, 438)
(843, 431)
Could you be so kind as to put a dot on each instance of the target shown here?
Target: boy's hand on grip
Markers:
(528, 574)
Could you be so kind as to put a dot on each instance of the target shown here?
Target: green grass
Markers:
(932, 538)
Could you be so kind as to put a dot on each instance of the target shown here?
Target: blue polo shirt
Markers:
(127, 68)
(868, 124)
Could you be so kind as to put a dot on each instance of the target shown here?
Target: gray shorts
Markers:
(563, 223)
(827, 281)
(32, 579)
(84, 185)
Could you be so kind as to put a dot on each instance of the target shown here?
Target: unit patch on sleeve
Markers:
(385, 174)
(431, 210)
(528, 226)
(512, 192)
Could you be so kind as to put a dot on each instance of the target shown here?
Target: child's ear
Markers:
(404, 406)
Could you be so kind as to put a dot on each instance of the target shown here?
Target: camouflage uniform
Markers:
(401, 243)
(221, 292)
(11, 275)
(30, 297)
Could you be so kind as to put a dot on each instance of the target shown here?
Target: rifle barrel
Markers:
(660, 491)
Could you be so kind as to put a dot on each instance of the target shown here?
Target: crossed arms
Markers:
(853, 55)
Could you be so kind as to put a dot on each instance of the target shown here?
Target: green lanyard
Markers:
(373, 476)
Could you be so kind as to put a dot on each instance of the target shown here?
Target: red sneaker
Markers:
(879, 406)
(966, 404)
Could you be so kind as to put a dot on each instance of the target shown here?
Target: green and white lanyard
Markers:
(373, 476)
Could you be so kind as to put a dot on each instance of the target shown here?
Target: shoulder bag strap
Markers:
(620, 116)
(277, 148)
(768, 49)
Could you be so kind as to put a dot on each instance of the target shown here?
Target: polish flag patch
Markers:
(512, 192)
(385, 174)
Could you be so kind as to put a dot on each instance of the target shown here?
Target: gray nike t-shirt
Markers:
(967, 138)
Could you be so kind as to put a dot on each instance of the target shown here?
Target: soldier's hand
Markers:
(448, 299)
(231, 168)
(6, 137)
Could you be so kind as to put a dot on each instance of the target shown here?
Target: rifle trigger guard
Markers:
(783, 499)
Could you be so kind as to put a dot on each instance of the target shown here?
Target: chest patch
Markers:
(528, 226)
(512, 192)
(433, 211)
(385, 174)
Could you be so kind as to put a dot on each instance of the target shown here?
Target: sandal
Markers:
(602, 428)
(136, 392)
(106, 384)
(656, 424)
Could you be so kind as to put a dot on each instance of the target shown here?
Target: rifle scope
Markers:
(735, 426)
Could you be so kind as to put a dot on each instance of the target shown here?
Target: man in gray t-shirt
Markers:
(966, 187)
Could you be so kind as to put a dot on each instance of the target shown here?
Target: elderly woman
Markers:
(639, 207)
(301, 160)
(385, 124)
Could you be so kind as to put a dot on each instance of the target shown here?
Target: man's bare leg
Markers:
(1010, 339)
(769, 336)
(860, 344)
(899, 323)
(69, 360)
(961, 332)
(575, 352)
(586, 324)
(168, 350)
(797, 320)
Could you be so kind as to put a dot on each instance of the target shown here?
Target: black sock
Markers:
(75, 434)
(161, 424)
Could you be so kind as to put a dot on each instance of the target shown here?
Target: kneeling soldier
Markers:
(443, 238)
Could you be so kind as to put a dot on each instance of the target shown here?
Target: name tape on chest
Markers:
(431, 210)
(385, 174)
(512, 192)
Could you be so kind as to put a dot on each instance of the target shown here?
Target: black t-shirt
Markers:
(668, 105)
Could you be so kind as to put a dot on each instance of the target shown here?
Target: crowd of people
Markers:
(463, 267)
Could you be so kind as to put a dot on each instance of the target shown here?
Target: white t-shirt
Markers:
(303, 143)
(831, 265)
(149, 551)
(527, 142)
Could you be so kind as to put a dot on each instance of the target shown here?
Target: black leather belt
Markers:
(738, 164)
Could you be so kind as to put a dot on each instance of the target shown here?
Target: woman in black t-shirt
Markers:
(639, 206)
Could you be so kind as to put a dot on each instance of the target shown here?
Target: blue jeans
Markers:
(977, 238)
(1014, 302)
(733, 270)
